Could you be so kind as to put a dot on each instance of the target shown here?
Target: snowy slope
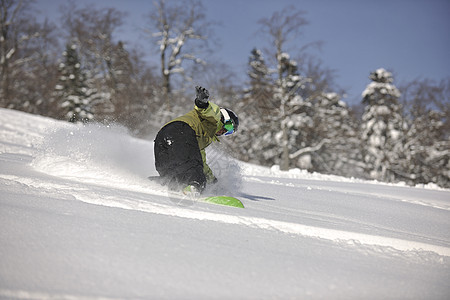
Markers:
(80, 220)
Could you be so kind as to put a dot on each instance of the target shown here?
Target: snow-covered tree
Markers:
(292, 101)
(271, 109)
(427, 143)
(93, 30)
(382, 126)
(426, 153)
(121, 82)
(255, 109)
(294, 111)
(335, 132)
(26, 58)
(72, 89)
(279, 104)
(260, 78)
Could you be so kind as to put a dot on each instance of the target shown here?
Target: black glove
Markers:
(201, 98)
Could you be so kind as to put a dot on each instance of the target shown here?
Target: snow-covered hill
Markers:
(79, 220)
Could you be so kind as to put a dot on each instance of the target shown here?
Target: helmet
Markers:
(230, 120)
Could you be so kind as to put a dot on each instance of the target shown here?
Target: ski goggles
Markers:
(228, 124)
(229, 127)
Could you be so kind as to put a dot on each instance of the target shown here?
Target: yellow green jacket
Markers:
(205, 122)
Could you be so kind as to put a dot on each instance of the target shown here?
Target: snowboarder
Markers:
(180, 157)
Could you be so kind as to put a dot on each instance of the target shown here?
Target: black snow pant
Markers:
(177, 157)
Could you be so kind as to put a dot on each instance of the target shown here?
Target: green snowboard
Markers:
(223, 200)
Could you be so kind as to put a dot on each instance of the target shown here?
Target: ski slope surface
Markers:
(80, 220)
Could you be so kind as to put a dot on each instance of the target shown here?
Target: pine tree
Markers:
(281, 118)
(426, 151)
(120, 83)
(273, 110)
(382, 127)
(72, 90)
(255, 110)
(335, 131)
(427, 143)
(293, 112)
(259, 74)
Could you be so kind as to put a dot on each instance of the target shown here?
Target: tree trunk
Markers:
(165, 73)
(284, 164)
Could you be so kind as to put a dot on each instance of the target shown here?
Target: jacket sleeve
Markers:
(210, 113)
(210, 178)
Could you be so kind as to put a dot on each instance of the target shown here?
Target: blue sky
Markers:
(409, 37)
